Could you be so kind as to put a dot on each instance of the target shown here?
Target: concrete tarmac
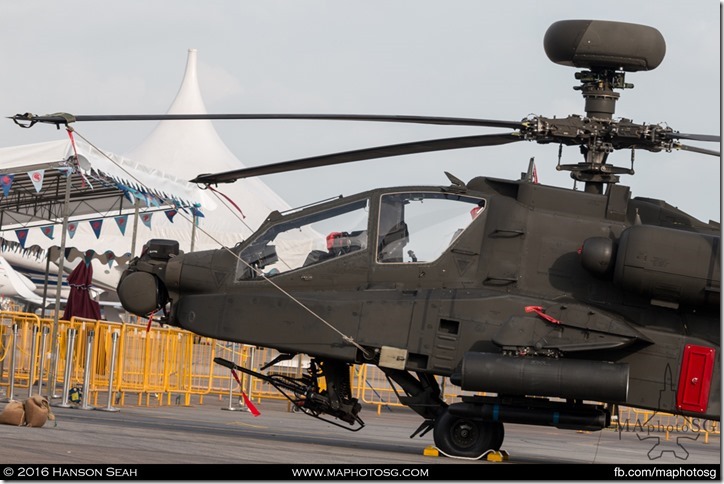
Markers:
(208, 434)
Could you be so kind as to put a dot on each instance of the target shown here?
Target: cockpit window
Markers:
(419, 227)
(306, 240)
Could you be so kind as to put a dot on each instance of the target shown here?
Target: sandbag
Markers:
(37, 411)
(13, 413)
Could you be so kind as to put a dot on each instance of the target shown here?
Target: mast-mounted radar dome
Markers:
(594, 44)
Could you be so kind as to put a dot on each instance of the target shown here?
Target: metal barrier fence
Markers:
(169, 366)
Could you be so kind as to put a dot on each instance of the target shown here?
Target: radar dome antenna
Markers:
(606, 50)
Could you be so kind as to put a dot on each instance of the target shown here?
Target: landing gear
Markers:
(466, 437)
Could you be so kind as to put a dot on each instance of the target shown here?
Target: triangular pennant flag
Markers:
(111, 257)
(146, 219)
(129, 196)
(48, 231)
(6, 181)
(96, 225)
(36, 176)
(72, 227)
(65, 170)
(22, 235)
(121, 221)
(88, 256)
(170, 214)
(196, 212)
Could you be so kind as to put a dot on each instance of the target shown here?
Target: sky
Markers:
(461, 58)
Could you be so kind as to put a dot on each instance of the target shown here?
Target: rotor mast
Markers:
(597, 87)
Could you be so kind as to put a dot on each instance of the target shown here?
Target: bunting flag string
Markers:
(121, 223)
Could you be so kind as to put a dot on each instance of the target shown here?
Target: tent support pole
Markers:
(193, 232)
(45, 283)
(52, 378)
(137, 205)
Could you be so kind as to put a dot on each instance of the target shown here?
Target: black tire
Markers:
(498, 435)
(463, 437)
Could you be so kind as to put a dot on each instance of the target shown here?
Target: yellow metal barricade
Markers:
(163, 363)
(27, 339)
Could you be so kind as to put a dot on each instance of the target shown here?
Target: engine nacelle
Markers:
(667, 265)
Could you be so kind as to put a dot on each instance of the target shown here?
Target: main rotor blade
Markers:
(363, 154)
(694, 137)
(64, 118)
(697, 150)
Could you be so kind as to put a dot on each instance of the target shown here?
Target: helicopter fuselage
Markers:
(530, 279)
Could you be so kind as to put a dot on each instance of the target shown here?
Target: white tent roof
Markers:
(184, 148)
(103, 186)
(57, 154)
(99, 189)
(191, 147)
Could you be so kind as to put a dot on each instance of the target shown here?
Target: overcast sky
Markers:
(443, 58)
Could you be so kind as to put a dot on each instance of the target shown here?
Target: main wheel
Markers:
(465, 437)
(498, 435)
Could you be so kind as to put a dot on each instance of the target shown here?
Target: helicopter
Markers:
(550, 306)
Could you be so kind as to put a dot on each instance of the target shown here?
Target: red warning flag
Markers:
(247, 401)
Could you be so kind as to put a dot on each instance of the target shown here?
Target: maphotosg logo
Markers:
(666, 434)
(662, 436)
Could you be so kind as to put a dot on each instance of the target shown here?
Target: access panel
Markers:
(692, 394)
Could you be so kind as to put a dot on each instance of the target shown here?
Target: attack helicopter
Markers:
(548, 306)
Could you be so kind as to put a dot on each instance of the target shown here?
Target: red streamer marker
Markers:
(150, 320)
(229, 199)
(84, 180)
(539, 311)
(247, 401)
(72, 141)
